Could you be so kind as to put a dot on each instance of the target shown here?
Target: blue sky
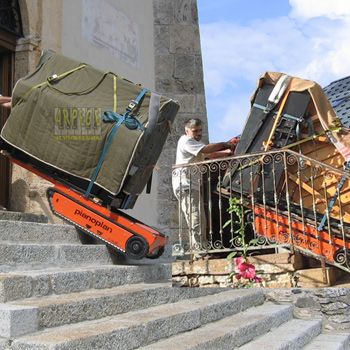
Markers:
(242, 39)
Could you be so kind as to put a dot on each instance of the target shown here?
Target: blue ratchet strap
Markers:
(286, 115)
(257, 105)
(111, 117)
(334, 198)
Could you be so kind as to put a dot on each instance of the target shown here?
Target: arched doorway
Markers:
(10, 30)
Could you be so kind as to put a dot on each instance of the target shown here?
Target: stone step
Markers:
(32, 256)
(294, 334)
(54, 311)
(4, 344)
(17, 216)
(39, 283)
(229, 332)
(142, 327)
(20, 231)
(330, 341)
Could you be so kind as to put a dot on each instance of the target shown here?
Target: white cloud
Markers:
(235, 56)
(306, 9)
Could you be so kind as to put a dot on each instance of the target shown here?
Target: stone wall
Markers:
(277, 271)
(330, 304)
(27, 192)
(179, 75)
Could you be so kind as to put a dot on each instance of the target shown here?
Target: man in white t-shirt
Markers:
(186, 183)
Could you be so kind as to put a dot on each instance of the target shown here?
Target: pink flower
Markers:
(246, 270)
(238, 261)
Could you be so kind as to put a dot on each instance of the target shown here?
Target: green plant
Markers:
(236, 208)
(245, 274)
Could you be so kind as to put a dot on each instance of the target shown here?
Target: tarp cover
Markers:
(324, 110)
(57, 114)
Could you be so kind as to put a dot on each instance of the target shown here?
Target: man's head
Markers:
(193, 128)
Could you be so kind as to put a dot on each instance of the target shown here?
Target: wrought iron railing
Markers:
(288, 199)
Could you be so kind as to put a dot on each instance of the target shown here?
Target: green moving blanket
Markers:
(64, 111)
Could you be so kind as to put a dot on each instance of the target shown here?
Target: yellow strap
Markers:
(314, 137)
(58, 77)
(278, 116)
(115, 94)
(48, 80)
(31, 89)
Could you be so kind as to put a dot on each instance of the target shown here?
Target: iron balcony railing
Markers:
(286, 199)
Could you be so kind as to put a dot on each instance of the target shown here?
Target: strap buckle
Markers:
(52, 78)
(132, 105)
(269, 107)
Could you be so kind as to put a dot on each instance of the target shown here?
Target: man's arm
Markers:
(195, 147)
(223, 149)
(214, 147)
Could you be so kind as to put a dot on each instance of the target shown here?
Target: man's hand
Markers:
(5, 101)
(234, 140)
(233, 143)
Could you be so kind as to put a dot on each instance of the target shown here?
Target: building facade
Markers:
(152, 42)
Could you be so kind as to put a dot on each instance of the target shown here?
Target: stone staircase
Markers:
(57, 293)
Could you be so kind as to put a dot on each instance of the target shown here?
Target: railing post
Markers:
(324, 271)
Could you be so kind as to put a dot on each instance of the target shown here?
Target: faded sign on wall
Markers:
(104, 26)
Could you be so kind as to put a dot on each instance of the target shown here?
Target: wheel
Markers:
(136, 247)
(156, 254)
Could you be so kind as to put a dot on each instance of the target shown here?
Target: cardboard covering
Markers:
(323, 107)
(332, 150)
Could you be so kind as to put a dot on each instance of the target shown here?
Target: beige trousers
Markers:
(194, 213)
